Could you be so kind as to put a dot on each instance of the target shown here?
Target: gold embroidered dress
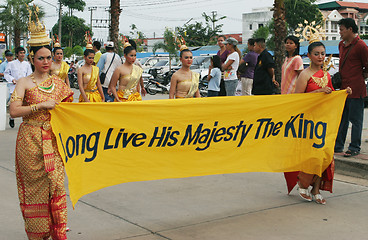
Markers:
(39, 167)
(192, 84)
(91, 90)
(130, 92)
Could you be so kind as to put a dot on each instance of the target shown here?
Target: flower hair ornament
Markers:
(125, 41)
(87, 37)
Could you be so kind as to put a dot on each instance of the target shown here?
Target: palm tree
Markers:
(280, 35)
(14, 18)
(114, 25)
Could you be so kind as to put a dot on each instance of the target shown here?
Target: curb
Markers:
(354, 167)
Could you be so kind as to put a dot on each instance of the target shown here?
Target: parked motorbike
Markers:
(161, 84)
(203, 87)
(73, 80)
(154, 87)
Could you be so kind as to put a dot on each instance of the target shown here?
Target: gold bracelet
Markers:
(34, 108)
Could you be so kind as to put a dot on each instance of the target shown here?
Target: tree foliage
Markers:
(170, 45)
(78, 50)
(73, 30)
(138, 37)
(74, 4)
(68, 51)
(199, 34)
(299, 10)
(14, 18)
(266, 32)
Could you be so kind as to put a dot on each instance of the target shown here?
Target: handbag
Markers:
(103, 74)
(336, 78)
(242, 67)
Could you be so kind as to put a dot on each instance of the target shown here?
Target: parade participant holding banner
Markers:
(313, 79)
(39, 167)
(59, 67)
(88, 77)
(184, 82)
(129, 76)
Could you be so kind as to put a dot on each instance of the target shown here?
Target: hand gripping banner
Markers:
(104, 144)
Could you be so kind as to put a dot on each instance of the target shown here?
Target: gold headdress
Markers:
(125, 41)
(311, 32)
(37, 30)
(56, 41)
(87, 37)
(181, 43)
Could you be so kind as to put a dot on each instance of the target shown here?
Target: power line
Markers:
(156, 18)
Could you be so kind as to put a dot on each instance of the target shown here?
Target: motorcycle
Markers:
(203, 87)
(154, 87)
(73, 80)
(161, 84)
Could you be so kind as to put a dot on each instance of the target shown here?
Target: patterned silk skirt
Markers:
(41, 192)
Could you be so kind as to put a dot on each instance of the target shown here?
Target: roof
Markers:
(342, 4)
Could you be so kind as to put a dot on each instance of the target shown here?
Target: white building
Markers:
(330, 19)
(259, 17)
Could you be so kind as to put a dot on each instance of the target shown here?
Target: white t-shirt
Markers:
(214, 84)
(231, 74)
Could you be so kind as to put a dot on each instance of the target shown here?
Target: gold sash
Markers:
(194, 87)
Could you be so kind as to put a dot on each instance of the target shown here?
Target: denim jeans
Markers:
(108, 98)
(230, 86)
(353, 112)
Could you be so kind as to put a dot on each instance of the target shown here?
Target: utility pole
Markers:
(213, 19)
(91, 9)
(60, 16)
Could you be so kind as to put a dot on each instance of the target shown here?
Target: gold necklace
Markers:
(48, 89)
(321, 82)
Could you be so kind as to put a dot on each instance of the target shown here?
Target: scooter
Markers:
(154, 87)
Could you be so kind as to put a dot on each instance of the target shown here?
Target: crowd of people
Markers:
(40, 84)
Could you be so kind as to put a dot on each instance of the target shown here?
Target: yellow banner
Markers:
(104, 144)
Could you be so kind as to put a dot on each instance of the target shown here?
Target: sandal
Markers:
(351, 153)
(319, 199)
(305, 194)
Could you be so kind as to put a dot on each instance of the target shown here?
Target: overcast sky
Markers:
(152, 16)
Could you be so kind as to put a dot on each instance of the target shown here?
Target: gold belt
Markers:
(45, 125)
(93, 90)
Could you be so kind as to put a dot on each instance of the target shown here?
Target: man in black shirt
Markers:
(263, 82)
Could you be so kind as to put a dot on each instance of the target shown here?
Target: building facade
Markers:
(334, 11)
(259, 17)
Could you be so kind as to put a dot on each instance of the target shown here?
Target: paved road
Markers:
(227, 207)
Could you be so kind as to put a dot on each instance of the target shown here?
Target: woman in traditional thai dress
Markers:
(39, 167)
(315, 78)
(292, 66)
(129, 77)
(59, 67)
(184, 82)
(89, 81)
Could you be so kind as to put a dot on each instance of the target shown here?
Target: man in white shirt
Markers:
(14, 71)
(108, 62)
